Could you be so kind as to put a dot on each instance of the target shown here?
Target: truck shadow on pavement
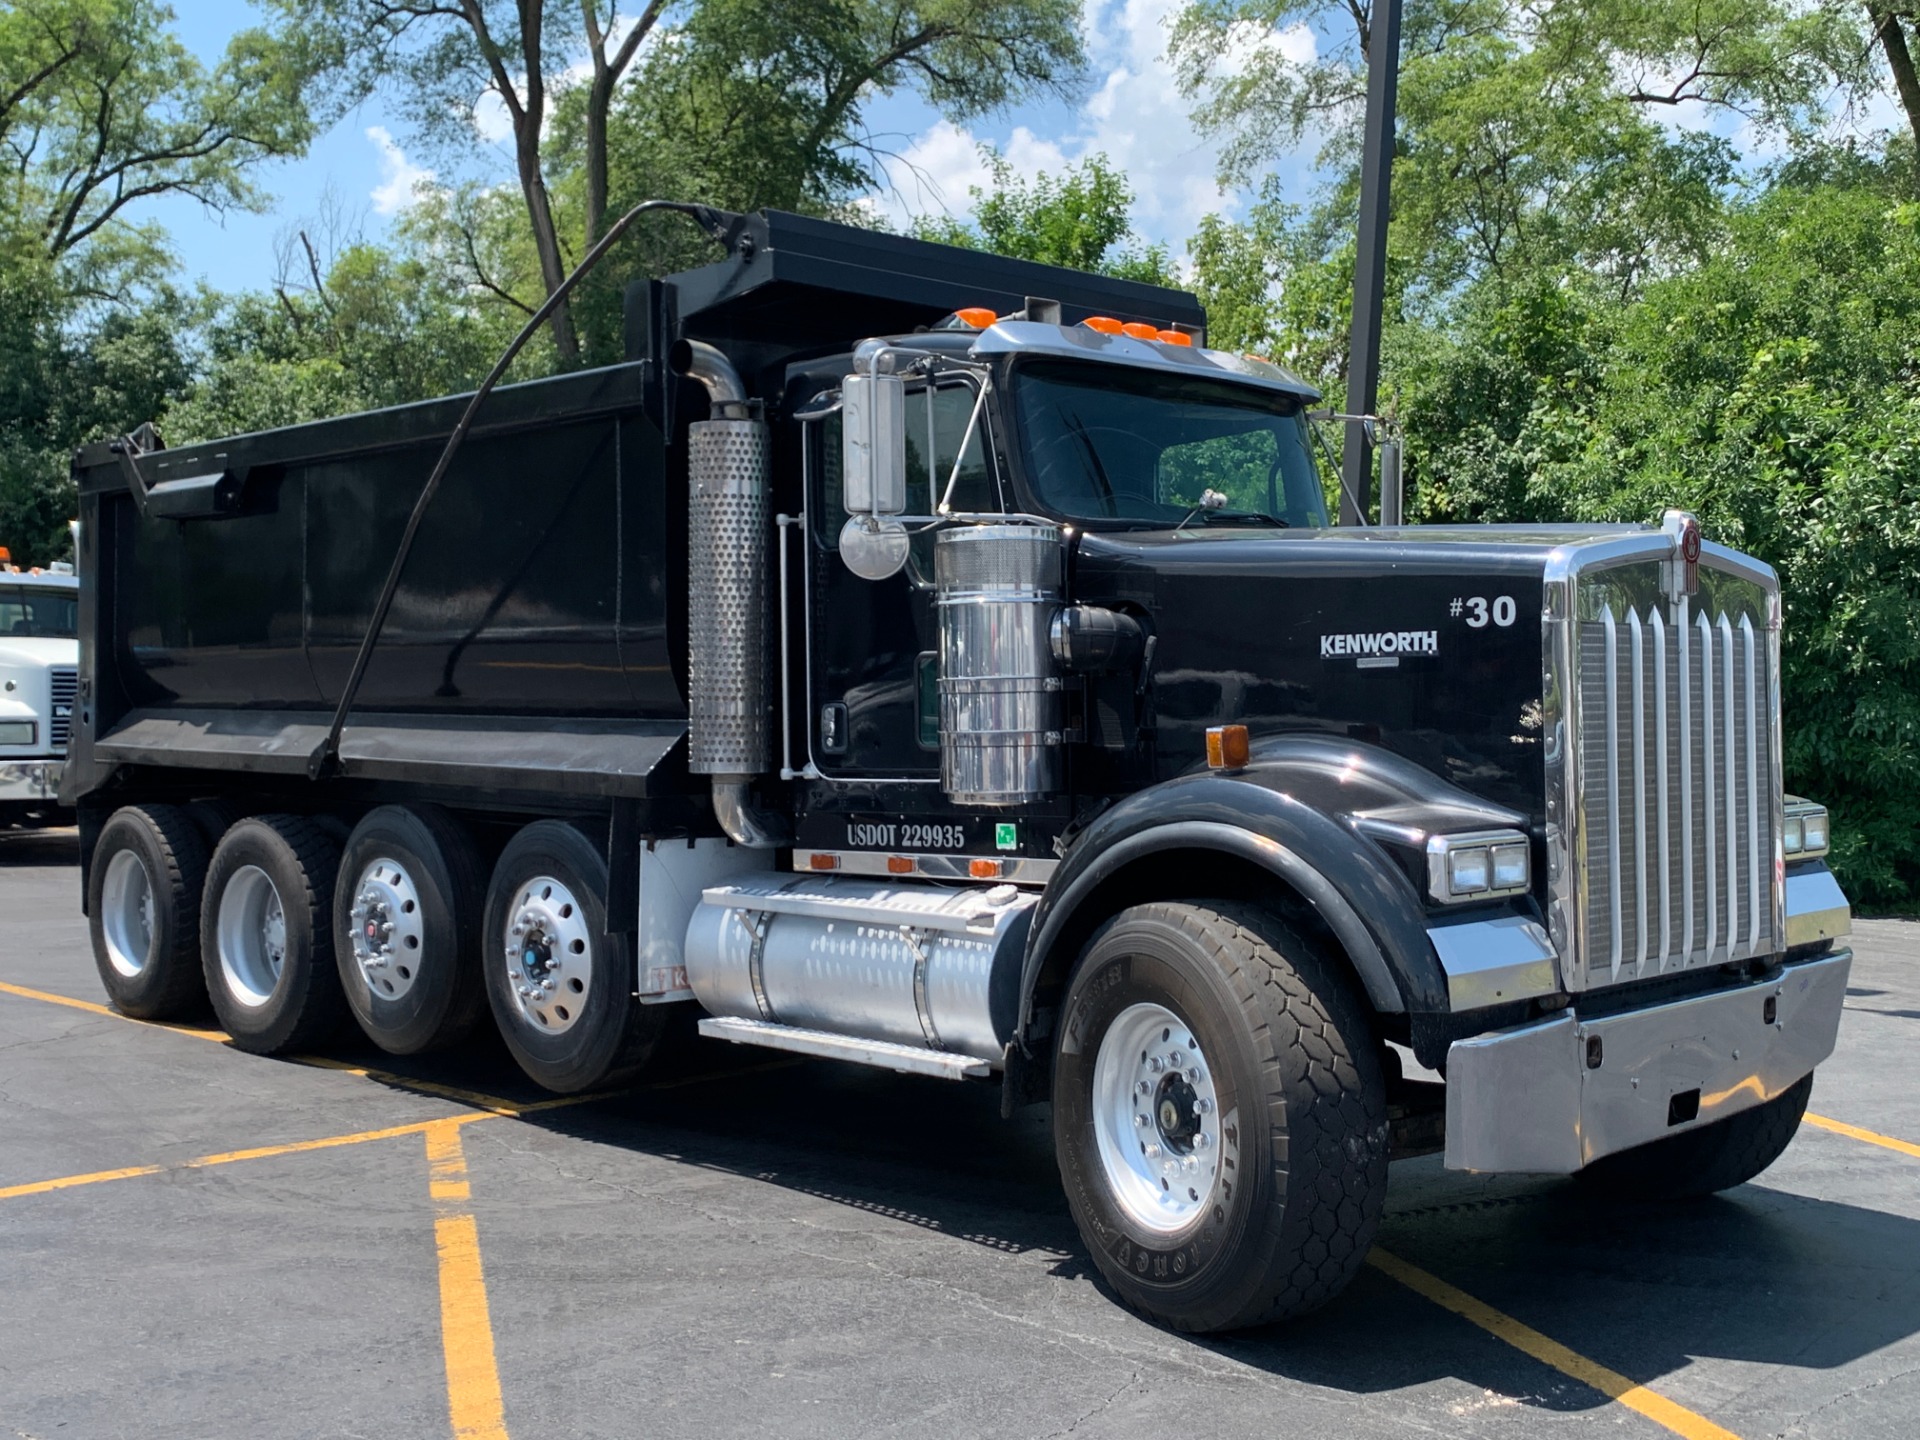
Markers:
(39, 849)
(1760, 1275)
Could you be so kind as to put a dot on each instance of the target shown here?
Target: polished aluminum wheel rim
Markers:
(1156, 1119)
(126, 913)
(549, 955)
(386, 929)
(250, 932)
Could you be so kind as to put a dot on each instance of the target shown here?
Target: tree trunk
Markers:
(546, 241)
(599, 101)
(1893, 40)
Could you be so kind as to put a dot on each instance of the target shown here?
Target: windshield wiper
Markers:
(1215, 517)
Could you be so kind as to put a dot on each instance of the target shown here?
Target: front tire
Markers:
(1219, 1116)
(406, 912)
(561, 986)
(1705, 1161)
(143, 910)
(264, 935)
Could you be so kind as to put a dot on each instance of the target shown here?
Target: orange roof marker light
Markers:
(1105, 324)
(1173, 337)
(1140, 330)
(978, 316)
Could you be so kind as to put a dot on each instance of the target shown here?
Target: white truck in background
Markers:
(39, 674)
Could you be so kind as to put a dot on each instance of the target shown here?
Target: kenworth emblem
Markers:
(1380, 643)
(1681, 573)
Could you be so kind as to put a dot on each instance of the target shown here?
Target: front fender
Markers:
(1311, 810)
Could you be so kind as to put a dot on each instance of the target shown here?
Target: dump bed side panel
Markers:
(537, 585)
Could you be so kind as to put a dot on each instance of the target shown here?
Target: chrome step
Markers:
(907, 1059)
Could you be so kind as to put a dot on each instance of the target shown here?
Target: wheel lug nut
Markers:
(1200, 1141)
(1175, 1060)
(1153, 1152)
(1156, 1064)
(1193, 1075)
(1140, 1120)
(1145, 1088)
(1203, 1105)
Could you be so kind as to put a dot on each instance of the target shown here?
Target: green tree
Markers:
(1077, 219)
(741, 103)
(101, 110)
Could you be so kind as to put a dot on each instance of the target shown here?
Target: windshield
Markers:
(43, 614)
(1103, 442)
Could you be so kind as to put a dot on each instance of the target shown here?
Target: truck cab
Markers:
(39, 669)
(926, 660)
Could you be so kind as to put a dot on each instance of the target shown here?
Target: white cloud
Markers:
(400, 179)
(1136, 117)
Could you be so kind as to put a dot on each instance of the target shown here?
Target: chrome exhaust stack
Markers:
(728, 460)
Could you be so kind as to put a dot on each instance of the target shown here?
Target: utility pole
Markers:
(1370, 258)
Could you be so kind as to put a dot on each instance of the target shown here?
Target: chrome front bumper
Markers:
(1553, 1097)
(30, 781)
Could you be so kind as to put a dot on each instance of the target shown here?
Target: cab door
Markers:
(872, 644)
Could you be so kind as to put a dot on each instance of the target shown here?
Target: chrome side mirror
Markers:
(873, 418)
(874, 442)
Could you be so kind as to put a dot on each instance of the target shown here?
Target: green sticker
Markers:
(1006, 836)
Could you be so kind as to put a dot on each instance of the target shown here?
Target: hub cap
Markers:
(126, 913)
(385, 928)
(1156, 1119)
(251, 932)
(548, 955)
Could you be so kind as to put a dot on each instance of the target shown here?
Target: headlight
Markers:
(17, 732)
(1484, 865)
(1804, 834)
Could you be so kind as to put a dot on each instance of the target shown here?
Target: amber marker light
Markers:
(1228, 747)
(1173, 337)
(1105, 324)
(817, 861)
(1140, 330)
(986, 869)
(978, 316)
(899, 865)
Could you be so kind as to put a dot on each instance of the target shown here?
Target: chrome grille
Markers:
(63, 690)
(1673, 743)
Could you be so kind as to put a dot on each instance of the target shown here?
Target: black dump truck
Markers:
(944, 663)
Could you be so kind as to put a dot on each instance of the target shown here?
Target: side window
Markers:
(1243, 467)
(976, 488)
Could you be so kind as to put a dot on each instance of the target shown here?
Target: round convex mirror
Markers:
(874, 546)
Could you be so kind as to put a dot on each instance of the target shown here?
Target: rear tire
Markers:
(561, 986)
(264, 935)
(1705, 1161)
(412, 874)
(1263, 1101)
(143, 911)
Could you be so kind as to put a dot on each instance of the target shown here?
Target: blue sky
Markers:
(1131, 112)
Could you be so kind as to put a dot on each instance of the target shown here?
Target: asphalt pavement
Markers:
(200, 1243)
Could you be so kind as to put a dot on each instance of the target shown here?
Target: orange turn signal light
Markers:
(900, 865)
(1173, 337)
(817, 861)
(978, 316)
(1228, 747)
(1105, 324)
(986, 869)
(1140, 330)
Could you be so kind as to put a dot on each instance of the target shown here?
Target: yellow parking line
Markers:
(198, 1032)
(1615, 1386)
(1854, 1132)
(386, 1077)
(474, 1403)
(229, 1157)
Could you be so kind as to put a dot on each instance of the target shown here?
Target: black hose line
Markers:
(325, 759)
